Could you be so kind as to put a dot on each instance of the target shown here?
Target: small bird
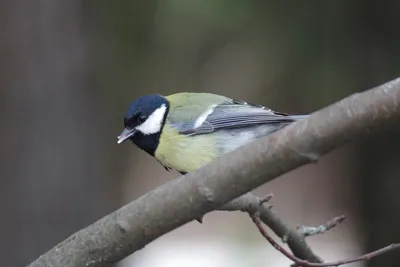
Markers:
(185, 131)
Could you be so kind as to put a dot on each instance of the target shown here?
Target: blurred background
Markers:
(69, 69)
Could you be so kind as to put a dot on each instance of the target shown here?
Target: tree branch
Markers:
(177, 202)
(304, 263)
(296, 240)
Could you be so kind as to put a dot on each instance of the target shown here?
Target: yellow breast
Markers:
(185, 153)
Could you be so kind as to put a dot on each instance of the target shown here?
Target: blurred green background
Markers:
(68, 70)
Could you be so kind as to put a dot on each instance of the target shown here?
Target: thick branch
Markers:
(177, 202)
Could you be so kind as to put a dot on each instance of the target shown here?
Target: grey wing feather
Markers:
(236, 114)
(242, 117)
(189, 129)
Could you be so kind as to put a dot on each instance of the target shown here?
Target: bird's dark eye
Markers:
(142, 118)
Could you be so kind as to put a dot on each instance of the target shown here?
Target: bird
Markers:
(185, 131)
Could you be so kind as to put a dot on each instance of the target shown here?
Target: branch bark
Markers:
(179, 201)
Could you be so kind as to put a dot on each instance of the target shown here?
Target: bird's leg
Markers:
(167, 168)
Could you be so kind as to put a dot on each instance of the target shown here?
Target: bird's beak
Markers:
(125, 134)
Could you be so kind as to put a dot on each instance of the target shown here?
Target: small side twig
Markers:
(316, 230)
(299, 262)
(252, 204)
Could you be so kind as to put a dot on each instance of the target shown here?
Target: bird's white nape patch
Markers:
(153, 124)
(202, 118)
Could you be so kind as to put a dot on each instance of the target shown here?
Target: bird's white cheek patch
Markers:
(202, 118)
(153, 123)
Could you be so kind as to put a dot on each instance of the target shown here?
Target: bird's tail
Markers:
(299, 117)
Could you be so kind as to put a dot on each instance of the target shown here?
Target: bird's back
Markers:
(185, 107)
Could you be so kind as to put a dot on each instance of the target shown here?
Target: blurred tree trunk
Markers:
(54, 177)
(378, 166)
(379, 180)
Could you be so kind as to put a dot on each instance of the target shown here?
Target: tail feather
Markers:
(299, 117)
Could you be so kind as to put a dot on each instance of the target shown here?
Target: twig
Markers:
(300, 262)
(316, 230)
(252, 204)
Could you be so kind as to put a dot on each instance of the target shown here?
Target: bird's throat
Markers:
(148, 143)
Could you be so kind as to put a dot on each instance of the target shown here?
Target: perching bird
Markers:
(185, 131)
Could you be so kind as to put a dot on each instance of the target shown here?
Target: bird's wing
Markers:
(232, 114)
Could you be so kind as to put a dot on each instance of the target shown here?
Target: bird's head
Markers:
(144, 121)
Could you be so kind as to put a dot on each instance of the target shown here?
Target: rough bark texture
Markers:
(175, 203)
